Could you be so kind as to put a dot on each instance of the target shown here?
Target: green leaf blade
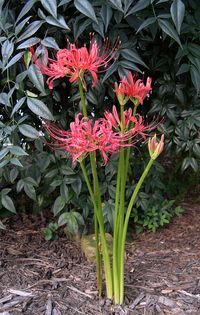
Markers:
(177, 10)
(85, 7)
(39, 108)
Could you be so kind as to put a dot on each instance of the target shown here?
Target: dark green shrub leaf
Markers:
(5, 191)
(39, 108)
(63, 2)
(168, 28)
(194, 49)
(194, 164)
(186, 163)
(25, 9)
(13, 61)
(60, 21)
(29, 181)
(99, 27)
(15, 150)
(8, 203)
(58, 205)
(64, 192)
(67, 171)
(6, 51)
(44, 161)
(18, 105)
(76, 186)
(160, 1)
(3, 163)
(39, 145)
(132, 56)
(70, 179)
(78, 217)
(51, 173)
(129, 65)
(30, 191)
(63, 218)
(118, 16)
(195, 76)
(36, 78)
(56, 183)
(20, 26)
(4, 99)
(13, 174)
(117, 4)
(110, 71)
(111, 191)
(50, 42)
(50, 6)
(29, 42)
(106, 14)
(20, 185)
(85, 7)
(28, 131)
(146, 23)
(80, 27)
(48, 234)
(177, 13)
(183, 68)
(140, 5)
(16, 162)
(69, 219)
(4, 152)
(196, 149)
(30, 30)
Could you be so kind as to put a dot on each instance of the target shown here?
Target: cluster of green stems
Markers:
(113, 266)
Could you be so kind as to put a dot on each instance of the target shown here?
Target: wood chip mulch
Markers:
(53, 278)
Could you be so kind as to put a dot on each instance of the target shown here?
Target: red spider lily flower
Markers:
(74, 62)
(113, 118)
(134, 89)
(131, 126)
(155, 147)
(85, 136)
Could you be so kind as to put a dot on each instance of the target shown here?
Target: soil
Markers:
(53, 278)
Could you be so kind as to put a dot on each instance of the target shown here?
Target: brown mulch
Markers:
(53, 278)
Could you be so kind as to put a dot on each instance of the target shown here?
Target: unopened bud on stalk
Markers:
(120, 95)
(155, 148)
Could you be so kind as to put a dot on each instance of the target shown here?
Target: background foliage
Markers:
(159, 38)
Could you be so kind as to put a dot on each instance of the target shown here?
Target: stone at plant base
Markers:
(88, 245)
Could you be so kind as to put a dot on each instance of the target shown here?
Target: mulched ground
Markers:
(53, 278)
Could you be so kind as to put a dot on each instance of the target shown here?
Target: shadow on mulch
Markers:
(53, 278)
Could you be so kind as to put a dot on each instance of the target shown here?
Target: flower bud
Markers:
(155, 148)
(119, 94)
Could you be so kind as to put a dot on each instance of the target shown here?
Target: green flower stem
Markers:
(98, 256)
(128, 152)
(82, 97)
(96, 227)
(119, 219)
(115, 237)
(97, 197)
(106, 258)
(130, 205)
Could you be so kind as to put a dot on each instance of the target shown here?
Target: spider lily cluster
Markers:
(114, 133)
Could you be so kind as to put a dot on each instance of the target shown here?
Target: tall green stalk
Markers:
(130, 206)
(98, 220)
(115, 236)
(98, 256)
(82, 98)
(119, 218)
(106, 258)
